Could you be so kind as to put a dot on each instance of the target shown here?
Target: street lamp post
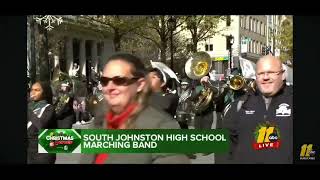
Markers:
(171, 28)
(231, 41)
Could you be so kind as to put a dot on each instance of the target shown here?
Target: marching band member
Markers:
(160, 97)
(185, 113)
(63, 107)
(41, 115)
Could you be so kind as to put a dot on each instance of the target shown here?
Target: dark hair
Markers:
(138, 67)
(47, 91)
(158, 72)
(172, 83)
(138, 70)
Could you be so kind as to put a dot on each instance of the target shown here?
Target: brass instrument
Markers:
(197, 67)
(64, 99)
(96, 102)
(239, 83)
(251, 85)
(60, 77)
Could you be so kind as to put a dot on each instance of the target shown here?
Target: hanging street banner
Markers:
(133, 141)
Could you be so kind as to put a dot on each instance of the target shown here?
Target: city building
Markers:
(72, 41)
(274, 24)
(245, 34)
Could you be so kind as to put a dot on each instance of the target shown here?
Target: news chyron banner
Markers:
(133, 141)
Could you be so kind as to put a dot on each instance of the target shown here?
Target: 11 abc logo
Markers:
(307, 153)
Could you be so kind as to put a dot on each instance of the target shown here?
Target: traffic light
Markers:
(269, 51)
(228, 42)
(264, 52)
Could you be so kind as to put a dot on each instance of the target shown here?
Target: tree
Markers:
(141, 47)
(202, 27)
(31, 50)
(118, 25)
(157, 31)
(285, 39)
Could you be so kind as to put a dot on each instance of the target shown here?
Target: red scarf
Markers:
(114, 122)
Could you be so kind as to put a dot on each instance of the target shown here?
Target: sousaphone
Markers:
(197, 67)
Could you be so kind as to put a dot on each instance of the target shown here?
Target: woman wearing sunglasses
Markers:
(126, 92)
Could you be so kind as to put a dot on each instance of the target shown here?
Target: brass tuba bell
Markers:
(239, 83)
(197, 67)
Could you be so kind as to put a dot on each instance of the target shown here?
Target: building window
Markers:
(254, 47)
(258, 27)
(261, 28)
(244, 22)
(262, 46)
(241, 21)
(270, 18)
(265, 30)
(228, 20)
(251, 25)
(209, 47)
(248, 22)
(254, 25)
(243, 40)
(251, 49)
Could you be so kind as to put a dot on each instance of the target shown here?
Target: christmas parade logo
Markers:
(59, 141)
(267, 136)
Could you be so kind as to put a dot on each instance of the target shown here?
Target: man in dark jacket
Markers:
(260, 123)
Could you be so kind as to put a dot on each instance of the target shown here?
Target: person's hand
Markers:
(204, 79)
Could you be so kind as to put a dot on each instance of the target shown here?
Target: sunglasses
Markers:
(117, 80)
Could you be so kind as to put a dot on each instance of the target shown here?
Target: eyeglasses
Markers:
(117, 80)
(270, 73)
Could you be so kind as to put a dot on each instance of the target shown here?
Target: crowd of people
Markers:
(129, 96)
